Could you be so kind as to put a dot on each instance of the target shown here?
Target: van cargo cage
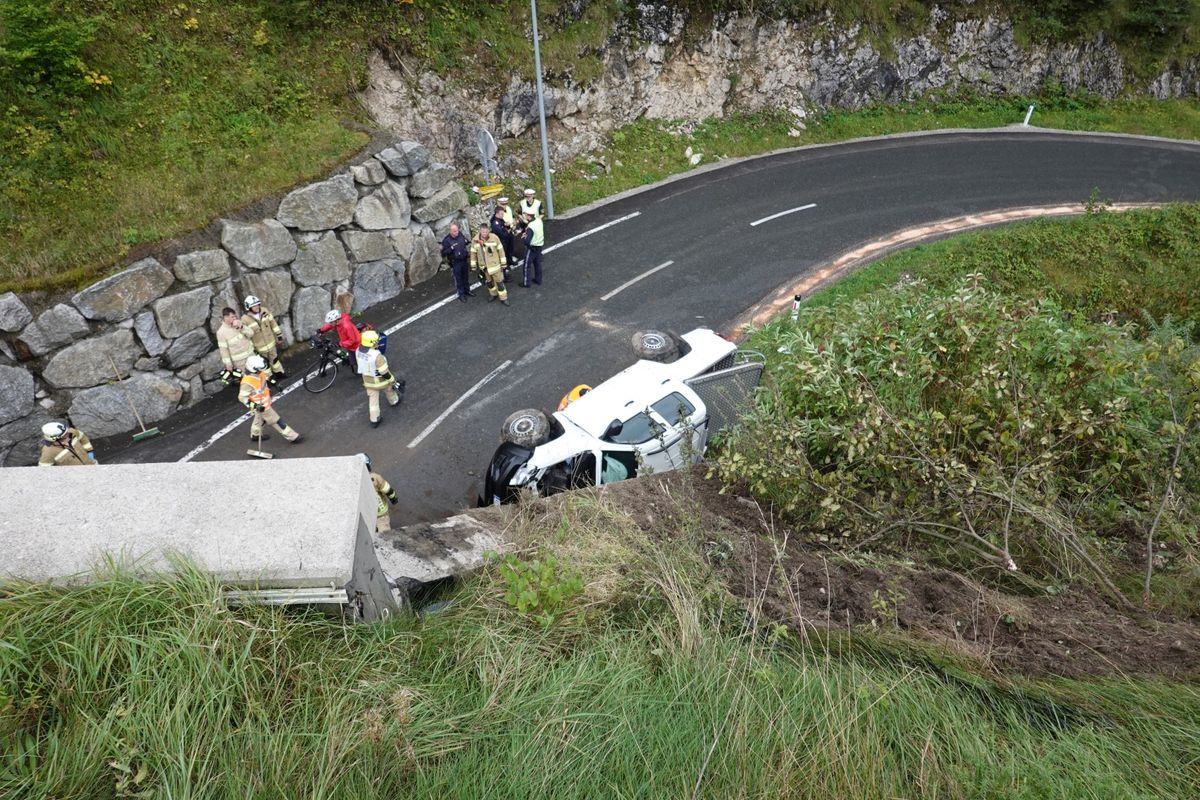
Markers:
(726, 389)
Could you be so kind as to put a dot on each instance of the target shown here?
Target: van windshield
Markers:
(674, 408)
(635, 430)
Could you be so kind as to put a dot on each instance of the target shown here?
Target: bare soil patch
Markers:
(798, 583)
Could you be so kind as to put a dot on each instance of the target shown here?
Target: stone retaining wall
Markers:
(356, 239)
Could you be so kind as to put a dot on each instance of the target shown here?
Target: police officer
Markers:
(487, 256)
(501, 226)
(535, 239)
(455, 250)
(234, 345)
(260, 325)
(386, 495)
(65, 447)
(376, 376)
(255, 394)
(531, 205)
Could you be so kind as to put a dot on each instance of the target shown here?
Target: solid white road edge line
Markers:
(596, 229)
(200, 448)
(782, 213)
(632, 281)
(441, 418)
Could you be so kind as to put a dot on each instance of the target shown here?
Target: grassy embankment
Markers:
(128, 123)
(609, 663)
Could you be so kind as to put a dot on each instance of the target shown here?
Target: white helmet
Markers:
(252, 301)
(53, 430)
(366, 459)
(333, 316)
(256, 364)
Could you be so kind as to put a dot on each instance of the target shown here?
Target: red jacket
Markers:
(348, 335)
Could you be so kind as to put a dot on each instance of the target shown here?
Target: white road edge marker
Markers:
(200, 448)
(462, 399)
(632, 281)
(782, 214)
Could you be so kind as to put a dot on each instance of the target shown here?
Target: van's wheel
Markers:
(527, 428)
(655, 346)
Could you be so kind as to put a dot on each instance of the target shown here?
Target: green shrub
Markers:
(41, 46)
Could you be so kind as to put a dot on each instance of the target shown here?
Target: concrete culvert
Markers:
(528, 427)
(655, 346)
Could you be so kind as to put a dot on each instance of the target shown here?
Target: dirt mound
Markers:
(793, 582)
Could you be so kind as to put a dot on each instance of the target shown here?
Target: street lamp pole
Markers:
(537, 66)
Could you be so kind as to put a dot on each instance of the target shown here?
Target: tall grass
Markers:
(126, 687)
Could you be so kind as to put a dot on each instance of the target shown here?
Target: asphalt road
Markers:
(566, 332)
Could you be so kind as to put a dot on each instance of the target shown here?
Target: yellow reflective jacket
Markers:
(75, 454)
(487, 255)
(385, 493)
(374, 370)
(262, 331)
(234, 345)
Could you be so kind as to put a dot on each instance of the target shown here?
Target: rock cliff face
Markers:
(747, 64)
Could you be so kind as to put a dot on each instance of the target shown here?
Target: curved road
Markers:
(575, 328)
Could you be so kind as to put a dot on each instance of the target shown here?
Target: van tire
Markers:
(528, 427)
(655, 346)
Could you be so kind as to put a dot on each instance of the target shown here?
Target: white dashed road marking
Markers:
(632, 281)
(462, 399)
(782, 214)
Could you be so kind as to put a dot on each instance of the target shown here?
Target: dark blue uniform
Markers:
(456, 250)
(506, 239)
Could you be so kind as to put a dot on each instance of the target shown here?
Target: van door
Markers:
(681, 431)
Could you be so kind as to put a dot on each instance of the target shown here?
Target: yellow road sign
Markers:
(491, 188)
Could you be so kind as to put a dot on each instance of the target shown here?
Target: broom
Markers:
(146, 432)
(259, 453)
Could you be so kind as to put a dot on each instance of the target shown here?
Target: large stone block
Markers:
(309, 307)
(386, 207)
(367, 245)
(430, 180)
(202, 266)
(119, 296)
(21, 441)
(321, 261)
(377, 281)
(147, 332)
(449, 198)
(426, 258)
(211, 366)
(53, 328)
(369, 173)
(273, 287)
(258, 245)
(405, 158)
(87, 363)
(179, 313)
(226, 297)
(13, 313)
(105, 411)
(320, 206)
(188, 349)
(403, 241)
(16, 393)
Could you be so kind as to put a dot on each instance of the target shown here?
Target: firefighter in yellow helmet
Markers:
(255, 394)
(376, 376)
(385, 494)
(65, 447)
(573, 395)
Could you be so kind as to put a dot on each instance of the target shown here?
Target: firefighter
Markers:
(260, 325)
(234, 345)
(65, 447)
(255, 394)
(531, 206)
(502, 227)
(535, 239)
(454, 250)
(573, 395)
(373, 367)
(487, 256)
(386, 495)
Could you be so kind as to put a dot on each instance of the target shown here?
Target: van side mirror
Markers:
(613, 429)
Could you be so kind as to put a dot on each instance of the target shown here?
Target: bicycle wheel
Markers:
(321, 378)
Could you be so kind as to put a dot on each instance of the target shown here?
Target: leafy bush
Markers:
(540, 588)
(992, 429)
(41, 45)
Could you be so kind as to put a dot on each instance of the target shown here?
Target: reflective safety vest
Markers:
(536, 233)
(234, 345)
(255, 389)
(373, 367)
(534, 208)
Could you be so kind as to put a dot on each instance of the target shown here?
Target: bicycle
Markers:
(319, 379)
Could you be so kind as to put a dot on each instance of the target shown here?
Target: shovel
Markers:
(146, 432)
